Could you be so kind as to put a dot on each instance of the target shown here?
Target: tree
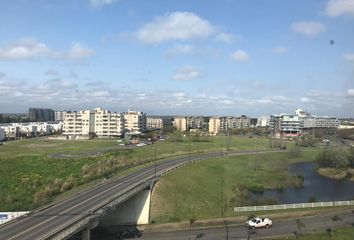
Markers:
(299, 225)
(334, 219)
(332, 158)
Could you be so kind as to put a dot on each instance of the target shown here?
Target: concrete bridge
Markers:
(121, 201)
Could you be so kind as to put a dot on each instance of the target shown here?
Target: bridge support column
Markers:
(135, 210)
(86, 233)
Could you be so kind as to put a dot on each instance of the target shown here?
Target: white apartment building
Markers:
(154, 123)
(12, 131)
(2, 134)
(134, 121)
(180, 123)
(263, 121)
(99, 121)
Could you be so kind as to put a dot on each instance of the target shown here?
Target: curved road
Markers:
(42, 223)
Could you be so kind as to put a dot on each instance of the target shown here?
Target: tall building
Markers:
(41, 115)
(180, 123)
(134, 121)
(101, 122)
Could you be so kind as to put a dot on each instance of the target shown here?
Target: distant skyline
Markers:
(176, 57)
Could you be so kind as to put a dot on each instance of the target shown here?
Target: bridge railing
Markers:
(293, 206)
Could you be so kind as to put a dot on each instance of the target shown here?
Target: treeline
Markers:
(336, 158)
(12, 119)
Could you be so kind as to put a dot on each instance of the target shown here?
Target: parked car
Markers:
(259, 223)
(141, 145)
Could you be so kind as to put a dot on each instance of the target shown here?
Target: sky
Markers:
(178, 57)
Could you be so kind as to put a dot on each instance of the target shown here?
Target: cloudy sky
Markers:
(215, 57)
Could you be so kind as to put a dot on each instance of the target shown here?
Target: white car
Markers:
(141, 145)
(259, 223)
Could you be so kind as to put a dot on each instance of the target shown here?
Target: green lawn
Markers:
(29, 177)
(339, 234)
(196, 190)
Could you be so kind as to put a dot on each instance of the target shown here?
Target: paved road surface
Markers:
(280, 228)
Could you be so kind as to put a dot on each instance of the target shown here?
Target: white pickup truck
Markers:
(259, 223)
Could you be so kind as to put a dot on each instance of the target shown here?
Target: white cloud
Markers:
(305, 100)
(350, 92)
(100, 3)
(240, 56)
(25, 48)
(336, 8)
(226, 37)
(349, 57)
(31, 49)
(187, 73)
(307, 28)
(175, 26)
(280, 50)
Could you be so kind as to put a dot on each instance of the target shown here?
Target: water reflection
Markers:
(315, 186)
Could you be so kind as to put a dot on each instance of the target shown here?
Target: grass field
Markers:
(202, 190)
(340, 234)
(30, 177)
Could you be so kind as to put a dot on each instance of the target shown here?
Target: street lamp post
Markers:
(155, 161)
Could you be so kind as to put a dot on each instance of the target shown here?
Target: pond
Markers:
(315, 186)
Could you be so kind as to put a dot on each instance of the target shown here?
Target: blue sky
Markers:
(225, 57)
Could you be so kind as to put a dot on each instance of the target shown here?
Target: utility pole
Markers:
(155, 161)
(189, 150)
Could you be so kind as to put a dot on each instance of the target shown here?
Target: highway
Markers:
(41, 224)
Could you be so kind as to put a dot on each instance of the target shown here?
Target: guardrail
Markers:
(293, 206)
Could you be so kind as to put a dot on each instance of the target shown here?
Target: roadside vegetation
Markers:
(210, 189)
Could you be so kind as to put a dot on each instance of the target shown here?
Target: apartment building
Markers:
(215, 125)
(290, 125)
(263, 121)
(195, 122)
(99, 121)
(154, 123)
(243, 122)
(180, 123)
(134, 121)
